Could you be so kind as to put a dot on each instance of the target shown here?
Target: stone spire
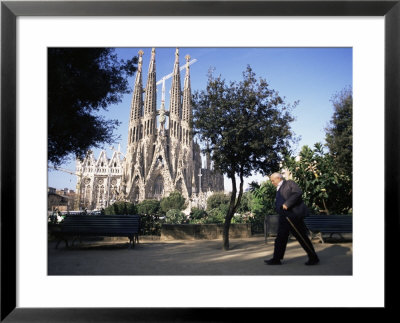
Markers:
(150, 102)
(136, 104)
(135, 130)
(175, 128)
(175, 99)
(150, 113)
(186, 106)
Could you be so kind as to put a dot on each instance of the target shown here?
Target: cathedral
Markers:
(161, 157)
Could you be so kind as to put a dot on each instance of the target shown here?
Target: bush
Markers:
(216, 200)
(150, 224)
(121, 208)
(216, 216)
(175, 201)
(197, 214)
(149, 207)
(175, 216)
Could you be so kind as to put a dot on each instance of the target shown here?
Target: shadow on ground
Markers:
(200, 257)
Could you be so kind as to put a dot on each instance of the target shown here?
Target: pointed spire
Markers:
(137, 98)
(152, 66)
(186, 105)
(176, 64)
(175, 99)
(150, 102)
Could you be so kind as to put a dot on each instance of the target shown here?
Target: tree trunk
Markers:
(232, 209)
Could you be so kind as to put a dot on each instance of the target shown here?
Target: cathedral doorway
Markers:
(158, 187)
(136, 194)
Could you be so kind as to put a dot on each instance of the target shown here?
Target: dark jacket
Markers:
(291, 196)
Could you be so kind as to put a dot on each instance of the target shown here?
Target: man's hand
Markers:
(284, 207)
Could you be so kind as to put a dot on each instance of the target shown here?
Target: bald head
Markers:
(276, 178)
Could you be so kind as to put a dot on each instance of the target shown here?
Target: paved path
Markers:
(200, 257)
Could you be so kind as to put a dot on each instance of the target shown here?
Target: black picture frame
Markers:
(10, 10)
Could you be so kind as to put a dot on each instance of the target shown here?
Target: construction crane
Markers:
(166, 77)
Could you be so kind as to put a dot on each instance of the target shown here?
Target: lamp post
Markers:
(200, 181)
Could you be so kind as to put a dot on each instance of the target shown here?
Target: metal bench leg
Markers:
(136, 237)
(58, 242)
(131, 242)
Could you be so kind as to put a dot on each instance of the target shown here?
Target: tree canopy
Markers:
(82, 81)
(247, 127)
(325, 188)
(339, 133)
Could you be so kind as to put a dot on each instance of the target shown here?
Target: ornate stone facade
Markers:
(159, 160)
(99, 181)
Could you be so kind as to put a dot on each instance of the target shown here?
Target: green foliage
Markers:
(175, 216)
(325, 189)
(174, 201)
(216, 200)
(263, 203)
(197, 214)
(339, 134)
(82, 81)
(150, 224)
(263, 198)
(120, 208)
(216, 215)
(245, 203)
(149, 207)
(149, 211)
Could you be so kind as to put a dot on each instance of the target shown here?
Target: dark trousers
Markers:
(300, 233)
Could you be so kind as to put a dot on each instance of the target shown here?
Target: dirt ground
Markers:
(195, 257)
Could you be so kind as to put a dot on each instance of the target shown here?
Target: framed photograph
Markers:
(370, 28)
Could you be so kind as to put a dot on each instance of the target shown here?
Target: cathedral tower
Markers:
(175, 112)
(135, 131)
(150, 113)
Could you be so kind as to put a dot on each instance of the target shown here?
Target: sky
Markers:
(311, 76)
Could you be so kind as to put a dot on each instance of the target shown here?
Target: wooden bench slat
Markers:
(95, 225)
(329, 224)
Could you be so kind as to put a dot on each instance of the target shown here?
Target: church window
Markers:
(136, 194)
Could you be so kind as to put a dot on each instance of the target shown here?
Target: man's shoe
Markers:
(312, 261)
(273, 262)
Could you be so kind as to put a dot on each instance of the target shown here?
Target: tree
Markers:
(174, 201)
(339, 134)
(81, 82)
(247, 127)
(325, 189)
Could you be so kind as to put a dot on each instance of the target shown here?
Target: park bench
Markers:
(329, 224)
(78, 226)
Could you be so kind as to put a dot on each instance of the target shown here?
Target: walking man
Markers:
(289, 205)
